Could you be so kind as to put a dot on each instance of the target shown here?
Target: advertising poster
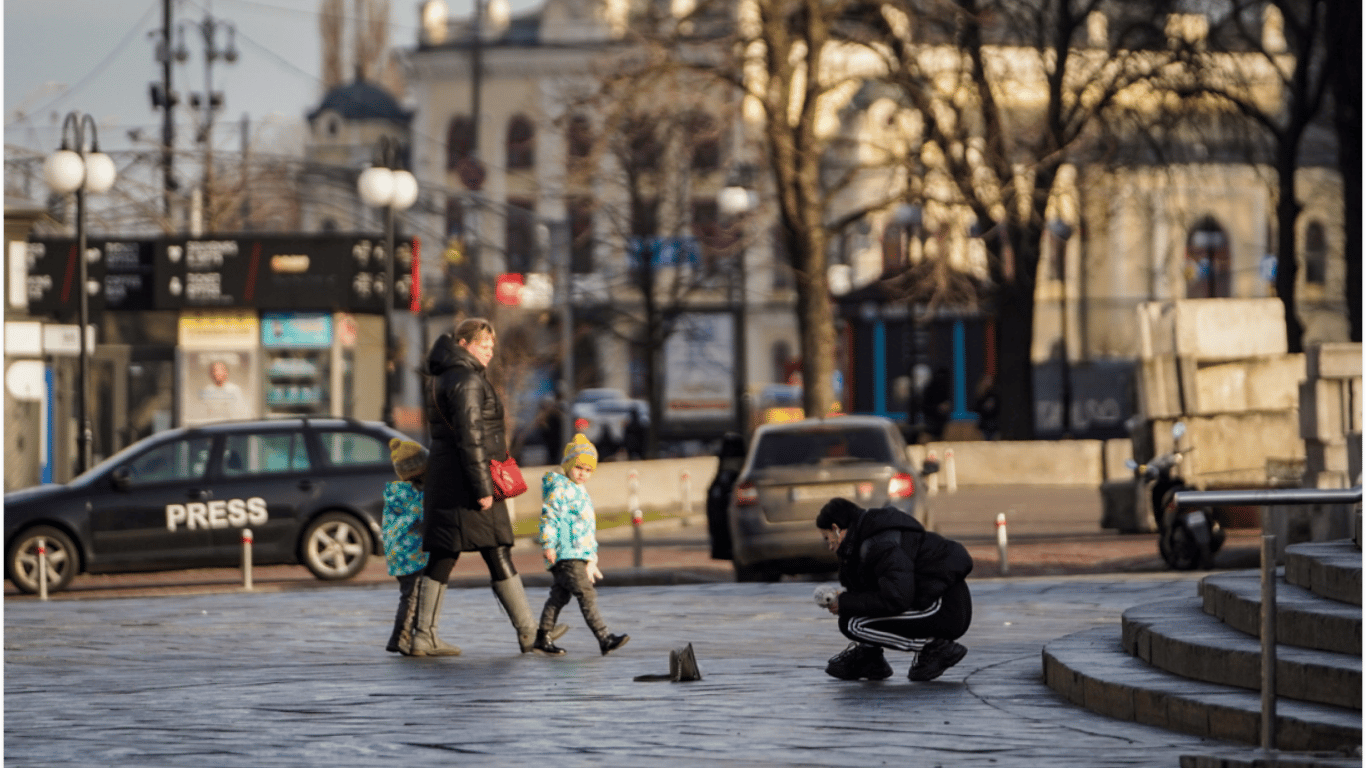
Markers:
(217, 385)
(699, 359)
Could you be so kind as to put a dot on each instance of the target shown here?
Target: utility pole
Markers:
(165, 99)
(245, 210)
(211, 101)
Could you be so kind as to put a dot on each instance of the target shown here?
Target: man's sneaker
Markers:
(937, 656)
(612, 642)
(859, 662)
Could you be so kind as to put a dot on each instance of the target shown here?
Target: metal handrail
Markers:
(1268, 496)
(1263, 498)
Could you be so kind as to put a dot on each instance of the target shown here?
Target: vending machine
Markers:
(297, 363)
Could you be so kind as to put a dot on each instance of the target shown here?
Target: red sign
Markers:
(508, 289)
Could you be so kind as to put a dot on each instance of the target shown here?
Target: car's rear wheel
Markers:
(21, 563)
(335, 546)
(753, 573)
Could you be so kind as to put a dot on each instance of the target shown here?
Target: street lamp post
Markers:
(911, 218)
(1063, 232)
(734, 201)
(81, 169)
(386, 185)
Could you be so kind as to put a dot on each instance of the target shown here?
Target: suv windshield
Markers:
(827, 446)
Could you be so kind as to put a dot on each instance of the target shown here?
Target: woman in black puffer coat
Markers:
(905, 589)
(465, 416)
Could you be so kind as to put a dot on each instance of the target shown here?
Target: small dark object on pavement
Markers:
(682, 668)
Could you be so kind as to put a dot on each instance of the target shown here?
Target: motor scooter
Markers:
(1186, 538)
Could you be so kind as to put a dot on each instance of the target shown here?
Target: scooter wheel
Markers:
(1178, 546)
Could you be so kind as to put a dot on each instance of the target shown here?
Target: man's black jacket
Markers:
(890, 564)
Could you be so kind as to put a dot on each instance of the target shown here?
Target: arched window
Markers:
(1315, 254)
(1208, 269)
(579, 138)
(459, 141)
(521, 149)
(643, 147)
(704, 141)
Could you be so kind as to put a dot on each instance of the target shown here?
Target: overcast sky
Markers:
(97, 56)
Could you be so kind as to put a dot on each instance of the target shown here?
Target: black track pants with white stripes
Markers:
(947, 618)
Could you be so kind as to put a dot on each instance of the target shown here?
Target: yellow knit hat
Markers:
(410, 458)
(579, 452)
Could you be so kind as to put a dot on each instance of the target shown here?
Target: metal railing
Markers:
(1265, 498)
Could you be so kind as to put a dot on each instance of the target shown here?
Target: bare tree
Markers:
(1292, 36)
(1344, 41)
(957, 64)
(331, 27)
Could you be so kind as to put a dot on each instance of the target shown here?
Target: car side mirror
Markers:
(929, 467)
(121, 478)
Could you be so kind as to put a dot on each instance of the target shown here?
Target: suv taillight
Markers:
(901, 486)
(746, 495)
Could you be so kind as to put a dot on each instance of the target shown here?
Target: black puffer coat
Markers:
(890, 564)
(466, 421)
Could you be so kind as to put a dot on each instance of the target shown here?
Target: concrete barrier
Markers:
(1065, 463)
(659, 485)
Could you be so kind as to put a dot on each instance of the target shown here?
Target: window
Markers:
(521, 149)
(353, 449)
(705, 141)
(579, 138)
(460, 141)
(822, 447)
(173, 462)
(643, 149)
(1207, 269)
(521, 236)
(581, 235)
(1315, 254)
(276, 453)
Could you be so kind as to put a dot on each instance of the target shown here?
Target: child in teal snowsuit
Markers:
(402, 535)
(570, 544)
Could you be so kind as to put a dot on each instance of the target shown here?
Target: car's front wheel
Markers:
(335, 546)
(62, 560)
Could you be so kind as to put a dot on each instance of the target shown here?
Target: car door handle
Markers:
(305, 485)
(199, 493)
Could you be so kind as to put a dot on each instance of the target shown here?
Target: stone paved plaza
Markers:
(300, 678)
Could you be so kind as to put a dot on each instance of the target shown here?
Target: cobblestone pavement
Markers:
(300, 678)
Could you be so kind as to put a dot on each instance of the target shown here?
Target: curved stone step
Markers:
(1303, 618)
(1328, 568)
(1178, 637)
(1090, 669)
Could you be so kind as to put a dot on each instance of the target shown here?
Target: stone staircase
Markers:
(1195, 665)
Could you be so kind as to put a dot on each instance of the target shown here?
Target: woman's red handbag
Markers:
(507, 478)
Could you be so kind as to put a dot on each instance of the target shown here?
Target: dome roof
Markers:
(362, 100)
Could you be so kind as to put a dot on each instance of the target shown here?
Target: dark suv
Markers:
(310, 489)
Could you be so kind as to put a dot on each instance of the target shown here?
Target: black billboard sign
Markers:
(122, 270)
(325, 272)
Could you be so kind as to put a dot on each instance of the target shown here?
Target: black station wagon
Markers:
(310, 489)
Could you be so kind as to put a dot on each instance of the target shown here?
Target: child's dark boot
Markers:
(545, 645)
(612, 642)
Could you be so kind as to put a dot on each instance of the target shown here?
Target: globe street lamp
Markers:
(386, 185)
(735, 201)
(79, 168)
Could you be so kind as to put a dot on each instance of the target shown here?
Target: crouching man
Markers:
(904, 589)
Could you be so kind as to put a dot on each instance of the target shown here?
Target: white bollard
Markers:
(633, 489)
(247, 538)
(42, 567)
(685, 493)
(1001, 542)
(932, 482)
(637, 518)
(950, 472)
